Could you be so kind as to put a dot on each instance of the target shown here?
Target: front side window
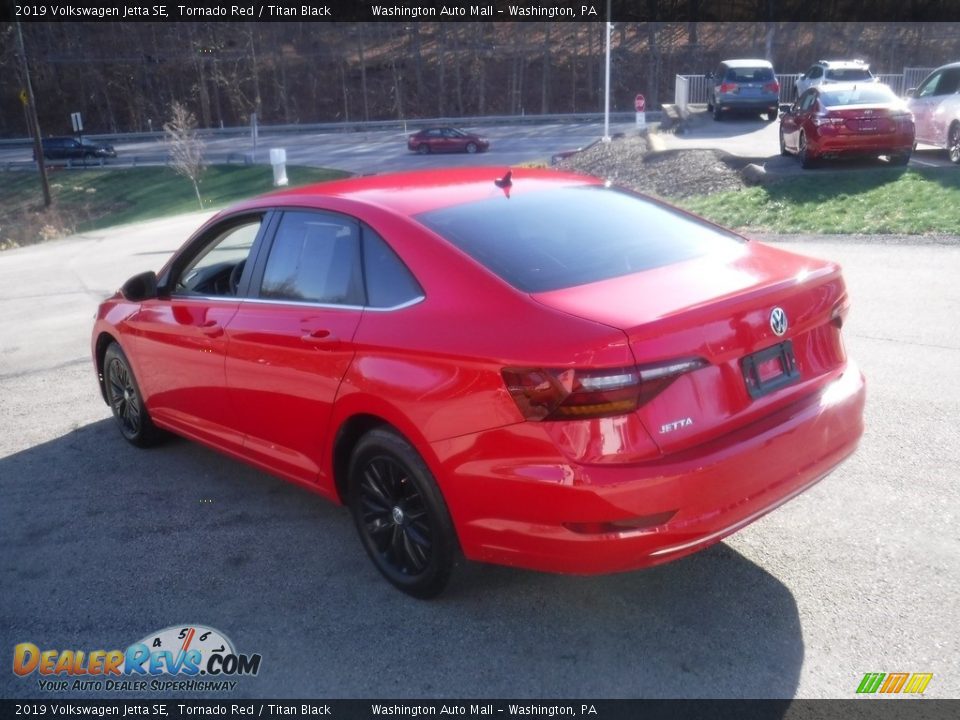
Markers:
(806, 102)
(218, 266)
(315, 257)
(929, 86)
(949, 82)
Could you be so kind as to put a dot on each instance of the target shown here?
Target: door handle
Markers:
(321, 337)
(212, 328)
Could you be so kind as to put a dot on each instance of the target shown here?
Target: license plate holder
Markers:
(868, 126)
(770, 369)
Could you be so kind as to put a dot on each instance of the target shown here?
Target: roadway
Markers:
(104, 543)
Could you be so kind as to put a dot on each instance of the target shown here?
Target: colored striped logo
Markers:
(892, 683)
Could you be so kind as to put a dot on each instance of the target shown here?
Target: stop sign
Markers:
(639, 103)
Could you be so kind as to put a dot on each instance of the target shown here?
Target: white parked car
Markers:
(935, 105)
(825, 72)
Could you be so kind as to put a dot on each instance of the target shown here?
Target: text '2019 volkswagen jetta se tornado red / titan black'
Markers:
(532, 369)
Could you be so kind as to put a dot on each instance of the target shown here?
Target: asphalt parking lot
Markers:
(750, 136)
(104, 543)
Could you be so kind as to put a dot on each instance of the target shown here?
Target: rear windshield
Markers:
(848, 74)
(746, 75)
(563, 237)
(858, 95)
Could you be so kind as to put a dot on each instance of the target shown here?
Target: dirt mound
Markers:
(629, 162)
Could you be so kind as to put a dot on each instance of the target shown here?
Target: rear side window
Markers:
(314, 258)
(559, 238)
(388, 281)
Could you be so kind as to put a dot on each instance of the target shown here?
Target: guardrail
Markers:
(405, 126)
(694, 88)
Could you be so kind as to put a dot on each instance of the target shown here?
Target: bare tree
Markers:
(186, 149)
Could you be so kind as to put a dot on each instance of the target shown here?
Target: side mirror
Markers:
(140, 287)
(803, 77)
(708, 76)
(786, 108)
(912, 92)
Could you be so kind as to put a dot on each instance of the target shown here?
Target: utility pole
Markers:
(608, 27)
(32, 115)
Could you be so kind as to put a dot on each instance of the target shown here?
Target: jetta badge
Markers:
(778, 321)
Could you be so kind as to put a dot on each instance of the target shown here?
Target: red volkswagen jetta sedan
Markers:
(533, 369)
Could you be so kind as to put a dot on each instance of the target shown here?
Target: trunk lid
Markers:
(718, 307)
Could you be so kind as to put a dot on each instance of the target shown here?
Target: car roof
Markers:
(411, 193)
(747, 63)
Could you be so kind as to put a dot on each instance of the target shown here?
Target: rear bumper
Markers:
(844, 145)
(518, 508)
(753, 104)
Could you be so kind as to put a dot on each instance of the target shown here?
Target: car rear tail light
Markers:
(728, 87)
(772, 87)
(822, 120)
(577, 394)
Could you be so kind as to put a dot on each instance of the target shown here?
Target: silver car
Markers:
(743, 86)
(826, 72)
(935, 105)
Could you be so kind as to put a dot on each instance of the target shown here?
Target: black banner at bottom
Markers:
(860, 709)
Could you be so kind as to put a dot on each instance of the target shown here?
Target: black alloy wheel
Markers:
(423, 149)
(471, 148)
(400, 515)
(126, 402)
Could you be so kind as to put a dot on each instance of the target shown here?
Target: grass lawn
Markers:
(876, 200)
(97, 198)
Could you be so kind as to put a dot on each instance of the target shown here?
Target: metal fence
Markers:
(694, 88)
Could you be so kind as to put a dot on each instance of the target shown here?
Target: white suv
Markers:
(833, 71)
(935, 105)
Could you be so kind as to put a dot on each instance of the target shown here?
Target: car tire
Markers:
(807, 161)
(953, 143)
(400, 515)
(783, 143)
(716, 113)
(471, 148)
(900, 159)
(709, 106)
(126, 400)
(423, 149)
(772, 114)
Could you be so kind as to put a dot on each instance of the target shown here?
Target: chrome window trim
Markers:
(300, 303)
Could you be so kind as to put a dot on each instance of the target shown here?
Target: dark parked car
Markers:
(68, 148)
(743, 86)
(846, 120)
(446, 139)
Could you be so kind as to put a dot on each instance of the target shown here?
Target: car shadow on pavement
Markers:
(104, 544)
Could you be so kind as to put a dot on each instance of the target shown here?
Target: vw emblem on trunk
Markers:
(778, 321)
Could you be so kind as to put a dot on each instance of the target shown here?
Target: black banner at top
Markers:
(483, 10)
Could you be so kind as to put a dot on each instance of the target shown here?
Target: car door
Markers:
(922, 105)
(180, 338)
(291, 342)
(793, 121)
(943, 108)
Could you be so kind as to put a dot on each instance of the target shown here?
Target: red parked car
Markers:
(533, 369)
(847, 120)
(446, 139)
